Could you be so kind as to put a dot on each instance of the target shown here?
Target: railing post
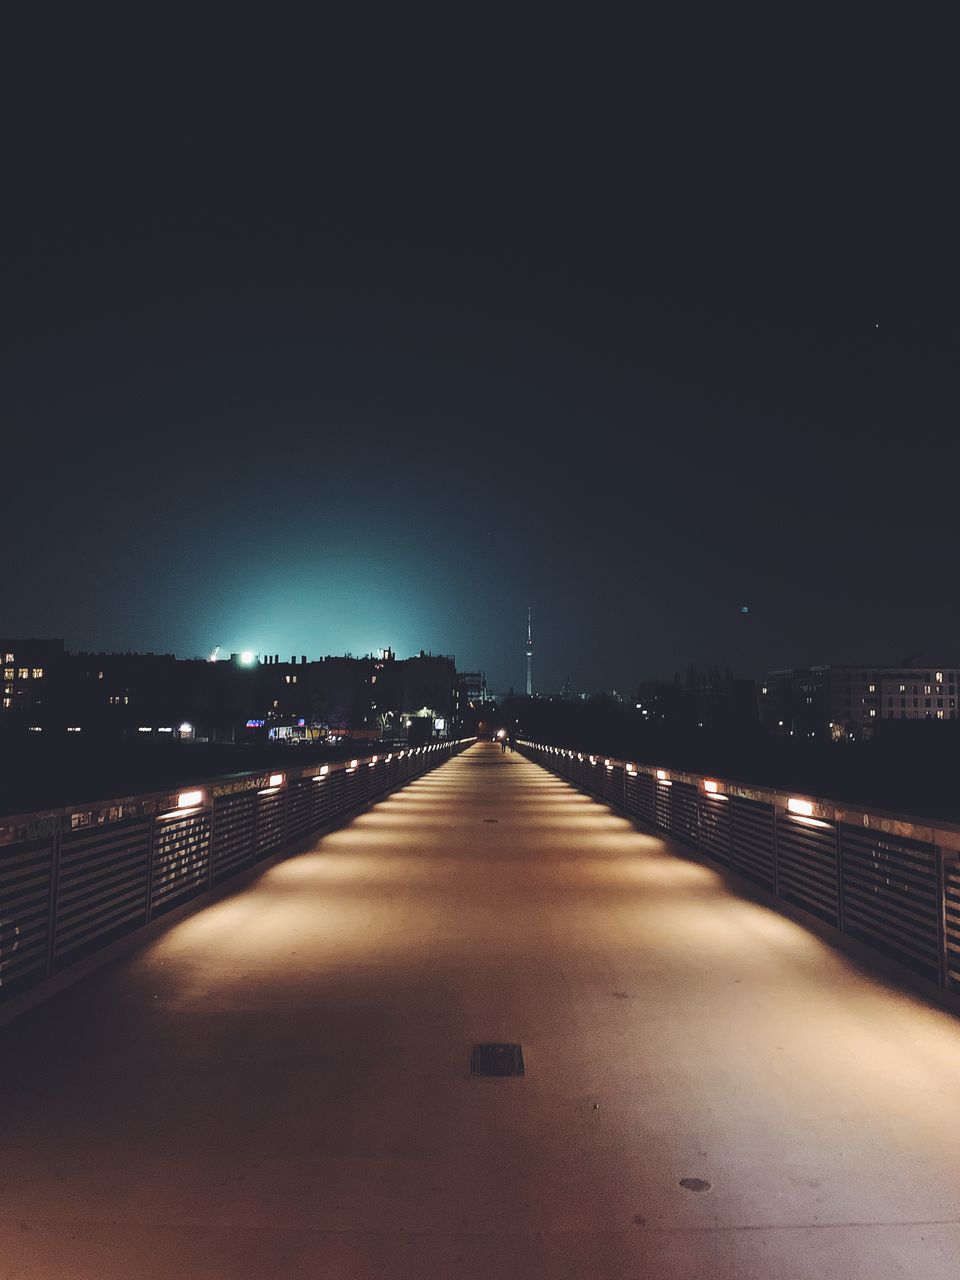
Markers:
(942, 957)
(213, 810)
(151, 866)
(54, 896)
(776, 848)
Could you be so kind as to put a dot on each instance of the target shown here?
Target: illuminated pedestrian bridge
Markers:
(487, 1029)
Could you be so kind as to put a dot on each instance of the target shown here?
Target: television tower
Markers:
(529, 655)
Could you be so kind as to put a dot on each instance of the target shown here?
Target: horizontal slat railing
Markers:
(74, 880)
(888, 881)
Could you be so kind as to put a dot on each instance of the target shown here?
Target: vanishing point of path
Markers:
(279, 1085)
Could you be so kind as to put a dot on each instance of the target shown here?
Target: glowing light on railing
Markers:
(189, 799)
(593, 759)
(607, 764)
(661, 775)
(324, 770)
(803, 807)
(712, 787)
(632, 770)
(276, 780)
(388, 758)
(579, 756)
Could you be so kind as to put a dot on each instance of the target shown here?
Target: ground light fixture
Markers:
(711, 786)
(802, 807)
(189, 799)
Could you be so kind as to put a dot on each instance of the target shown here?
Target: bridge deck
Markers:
(279, 1085)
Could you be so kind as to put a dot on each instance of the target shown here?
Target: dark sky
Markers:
(318, 340)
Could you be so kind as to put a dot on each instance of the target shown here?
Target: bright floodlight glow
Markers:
(662, 775)
(712, 787)
(186, 727)
(276, 780)
(189, 799)
(324, 770)
(247, 658)
(804, 807)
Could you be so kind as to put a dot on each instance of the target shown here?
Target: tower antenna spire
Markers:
(529, 652)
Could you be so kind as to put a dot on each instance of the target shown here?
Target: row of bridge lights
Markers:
(187, 801)
(802, 808)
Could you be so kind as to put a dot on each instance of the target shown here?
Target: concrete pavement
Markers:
(279, 1085)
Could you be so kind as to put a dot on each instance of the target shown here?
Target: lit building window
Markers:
(871, 688)
(99, 675)
(7, 704)
(23, 673)
(903, 688)
(939, 715)
(873, 711)
(8, 673)
(926, 688)
(38, 673)
(8, 657)
(939, 677)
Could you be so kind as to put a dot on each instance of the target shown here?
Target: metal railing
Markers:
(890, 883)
(75, 880)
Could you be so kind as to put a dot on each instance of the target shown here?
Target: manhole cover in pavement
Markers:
(496, 1060)
(695, 1184)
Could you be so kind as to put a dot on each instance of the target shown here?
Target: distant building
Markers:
(847, 702)
(474, 686)
(147, 695)
(32, 671)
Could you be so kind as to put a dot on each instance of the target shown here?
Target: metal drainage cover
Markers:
(496, 1060)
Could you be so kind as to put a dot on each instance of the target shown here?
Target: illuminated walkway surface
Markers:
(279, 1086)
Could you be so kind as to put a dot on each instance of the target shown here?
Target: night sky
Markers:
(319, 340)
